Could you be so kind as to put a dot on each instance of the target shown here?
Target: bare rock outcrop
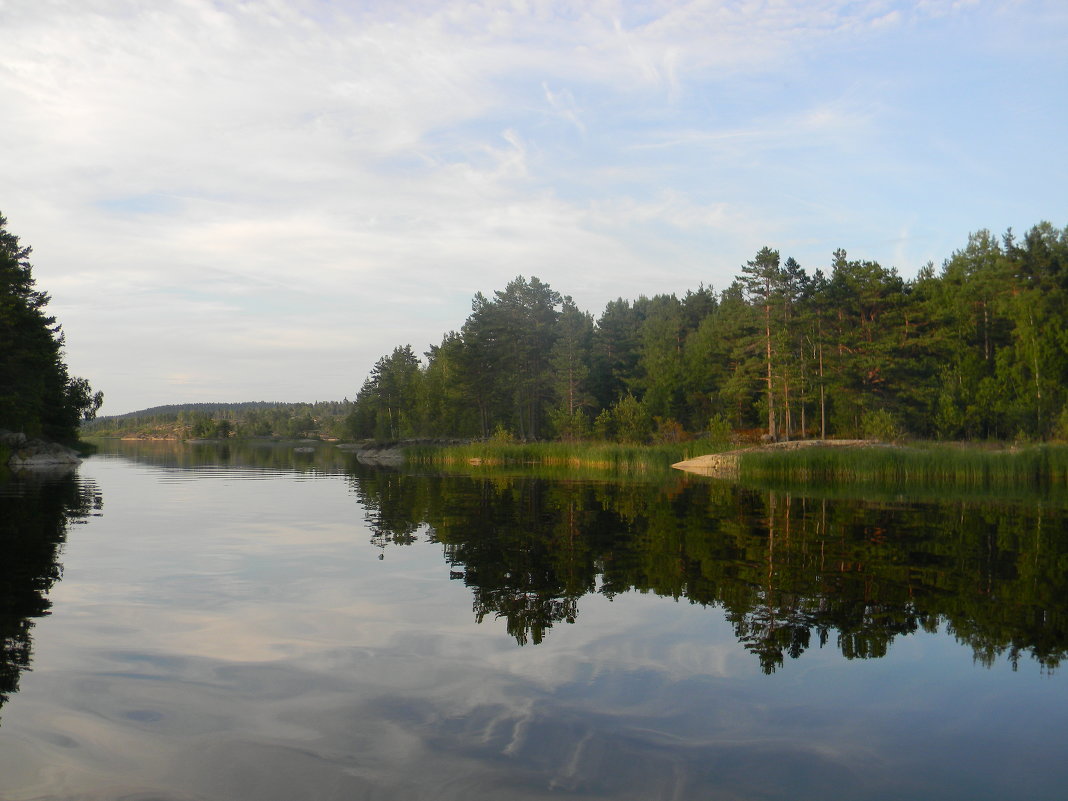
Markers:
(29, 454)
(725, 464)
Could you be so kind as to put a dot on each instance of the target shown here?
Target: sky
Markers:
(233, 201)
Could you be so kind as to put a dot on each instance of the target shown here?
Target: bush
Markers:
(569, 427)
(604, 427)
(633, 423)
(501, 435)
(720, 431)
(879, 424)
(1061, 431)
(670, 431)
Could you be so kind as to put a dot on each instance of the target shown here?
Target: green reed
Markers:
(597, 455)
(928, 465)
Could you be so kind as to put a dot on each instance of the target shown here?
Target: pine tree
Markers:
(762, 278)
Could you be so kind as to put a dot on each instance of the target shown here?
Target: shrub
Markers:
(501, 435)
(879, 424)
(569, 427)
(633, 423)
(604, 427)
(719, 431)
(669, 430)
(1061, 430)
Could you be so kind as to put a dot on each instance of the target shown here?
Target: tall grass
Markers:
(603, 456)
(929, 466)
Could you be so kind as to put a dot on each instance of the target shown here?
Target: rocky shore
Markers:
(30, 454)
(725, 465)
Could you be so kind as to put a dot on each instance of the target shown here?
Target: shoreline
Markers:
(725, 463)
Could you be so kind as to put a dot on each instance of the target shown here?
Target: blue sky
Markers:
(255, 200)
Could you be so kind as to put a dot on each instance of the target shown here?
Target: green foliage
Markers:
(719, 431)
(387, 407)
(976, 350)
(659, 371)
(633, 422)
(615, 353)
(570, 363)
(879, 424)
(1061, 430)
(569, 427)
(940, 465)
(508, 353)
(502, 436)
(37, 395)
(610, 457)
(604, 427)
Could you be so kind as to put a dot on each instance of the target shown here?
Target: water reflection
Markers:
(789, 572)
(221, 636)
(36, 511)
(247, 456)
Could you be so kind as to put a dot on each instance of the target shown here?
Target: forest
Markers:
(976, 349)
(38, 397)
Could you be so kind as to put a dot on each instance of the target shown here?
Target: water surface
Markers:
(197, 622)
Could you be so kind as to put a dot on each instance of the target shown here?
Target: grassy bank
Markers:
(599, 455)
(928, 466)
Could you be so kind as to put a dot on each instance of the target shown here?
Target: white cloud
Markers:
(353, 172)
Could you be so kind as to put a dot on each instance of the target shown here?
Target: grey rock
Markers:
(31, 454)
(12, 439)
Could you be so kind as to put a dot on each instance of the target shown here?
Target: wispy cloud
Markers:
(352, 173)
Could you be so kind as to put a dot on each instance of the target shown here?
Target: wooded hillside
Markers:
(222, 420)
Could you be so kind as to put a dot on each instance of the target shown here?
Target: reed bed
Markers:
(928, 466)
(601, 456)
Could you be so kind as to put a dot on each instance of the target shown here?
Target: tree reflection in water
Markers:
(789, 571)
(36, 510)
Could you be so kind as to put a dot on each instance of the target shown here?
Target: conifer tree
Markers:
(37, 396)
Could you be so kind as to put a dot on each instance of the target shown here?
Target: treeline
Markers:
(38, 397)
(321, 419)
(976, 349)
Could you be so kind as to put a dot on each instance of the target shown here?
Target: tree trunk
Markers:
(771, 387)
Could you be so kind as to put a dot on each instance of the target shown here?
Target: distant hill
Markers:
(326, 419)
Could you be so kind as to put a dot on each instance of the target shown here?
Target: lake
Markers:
(202, 622)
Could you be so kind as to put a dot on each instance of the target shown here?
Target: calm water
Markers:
(186, 623)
